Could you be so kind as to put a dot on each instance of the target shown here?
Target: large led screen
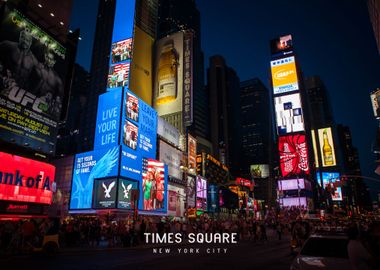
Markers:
(118, 75)
(88, 167)
(171, 157)
(294, 184)
(108, 119)
(32, 76)
(281, 45)
(25, 180)
(105, 191)
(260, 170)
(326, 146)
(201, 193)
(139, 134)
(293, 155)
(329, 178)
(284, 75)
(125, 194)
(289, 114)
(121, 51)
(176, 201)
(294, 201)
(154, 193)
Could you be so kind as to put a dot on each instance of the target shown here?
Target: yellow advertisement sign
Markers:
(284, 75)
(326, 146)
(141, 66)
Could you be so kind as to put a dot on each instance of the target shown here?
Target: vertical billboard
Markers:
(188, 79)
(167, 131)
(105, 191)
(25, 180)
(32, 76)
(315, 148)
(192, 152)
(154, 186)
(326, 146)
(108, 119)
(125, 194)
(330, 179)
(139, 134)
(168, 75)
(375, 100)
(213, 198)
(176, 200)
(259, 170)
(293, 155)
(190, 191)
(289, 114)
(281, 45)
(89, 166)
(171, 157)
(201, 193)
(284, 75)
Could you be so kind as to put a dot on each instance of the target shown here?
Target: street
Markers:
(273, 254)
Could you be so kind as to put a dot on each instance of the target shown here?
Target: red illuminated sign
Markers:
(243, 182)
(293, 155)
(25, 180)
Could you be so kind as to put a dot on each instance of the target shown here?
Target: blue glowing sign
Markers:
(88, 167)
(108, 119)
(139, 135)
(124, 20)
(212, 198)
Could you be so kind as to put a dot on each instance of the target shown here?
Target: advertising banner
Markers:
(171, 157)
(168, 78)
(289, 114)
(32, 74)
(192, 153)
(154, 193)
(108, 119)
(243, 182)
(190, 189)
(176, 201)
(201, 193)
(294, 201)
(167, 131)
(329, 178)
(326, 146)
(118, 75)
(139, 135)
(260, 171)
(293, 155)
(281, 45)
(188, 79)
(105, 193)
(87, 167)
(284, 75)
(121, 51)
(315, 148)
(375, 100)
(291, 184)
(213, 198)
(124, 198)
(25, 180)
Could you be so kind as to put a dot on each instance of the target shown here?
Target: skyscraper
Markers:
(374, 15)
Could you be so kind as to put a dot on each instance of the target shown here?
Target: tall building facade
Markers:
(374, 15)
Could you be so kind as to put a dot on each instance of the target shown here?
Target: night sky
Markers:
(332, 39)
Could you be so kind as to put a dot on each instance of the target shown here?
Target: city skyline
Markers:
(319, 50)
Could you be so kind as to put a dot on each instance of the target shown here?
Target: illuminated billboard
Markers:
(331, 178)
(289, 114)
(375, 100)
(190, 191)
(326, 146)
(25, 180)
(125, 194)
(108, 119)
(294, 184)
(213, 198)
(173, 78)
(294, 201)
(105, 191)
(293, 155)
(259, 170)
(89, 166)
(171, 157)
(201, 193)
(284, 75)
(32, 76)
(118, 75)
(154, 193)
(176, 201)
(121, 51)
(281, 45)
(167, 131)
(192, 152)
(315, 148)
(139, 128)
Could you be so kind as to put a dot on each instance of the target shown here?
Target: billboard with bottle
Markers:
(293, 155)
(284, 75)
(289, 114)
(326, 146)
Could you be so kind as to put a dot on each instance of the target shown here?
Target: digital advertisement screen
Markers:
(291, 184)
(177, 197)
(88, 167)
(139, 136)
(25, 180)
(125, 192)
(168, 75)
(118, 75)
(108, 119)
(294, 201)
(121, 51)
(192, 152)
(213, 199)
(326, 146)
(171, 157)
(154, 193)
(167, 131)
(191, 190)
(289, 114)
(260, 170)
(201, 193)
(293, 155)
(315, 148)
(105, 193)
(375, 100)
(329, 178)
(284, 75)
(281, 45)
(32, 75)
